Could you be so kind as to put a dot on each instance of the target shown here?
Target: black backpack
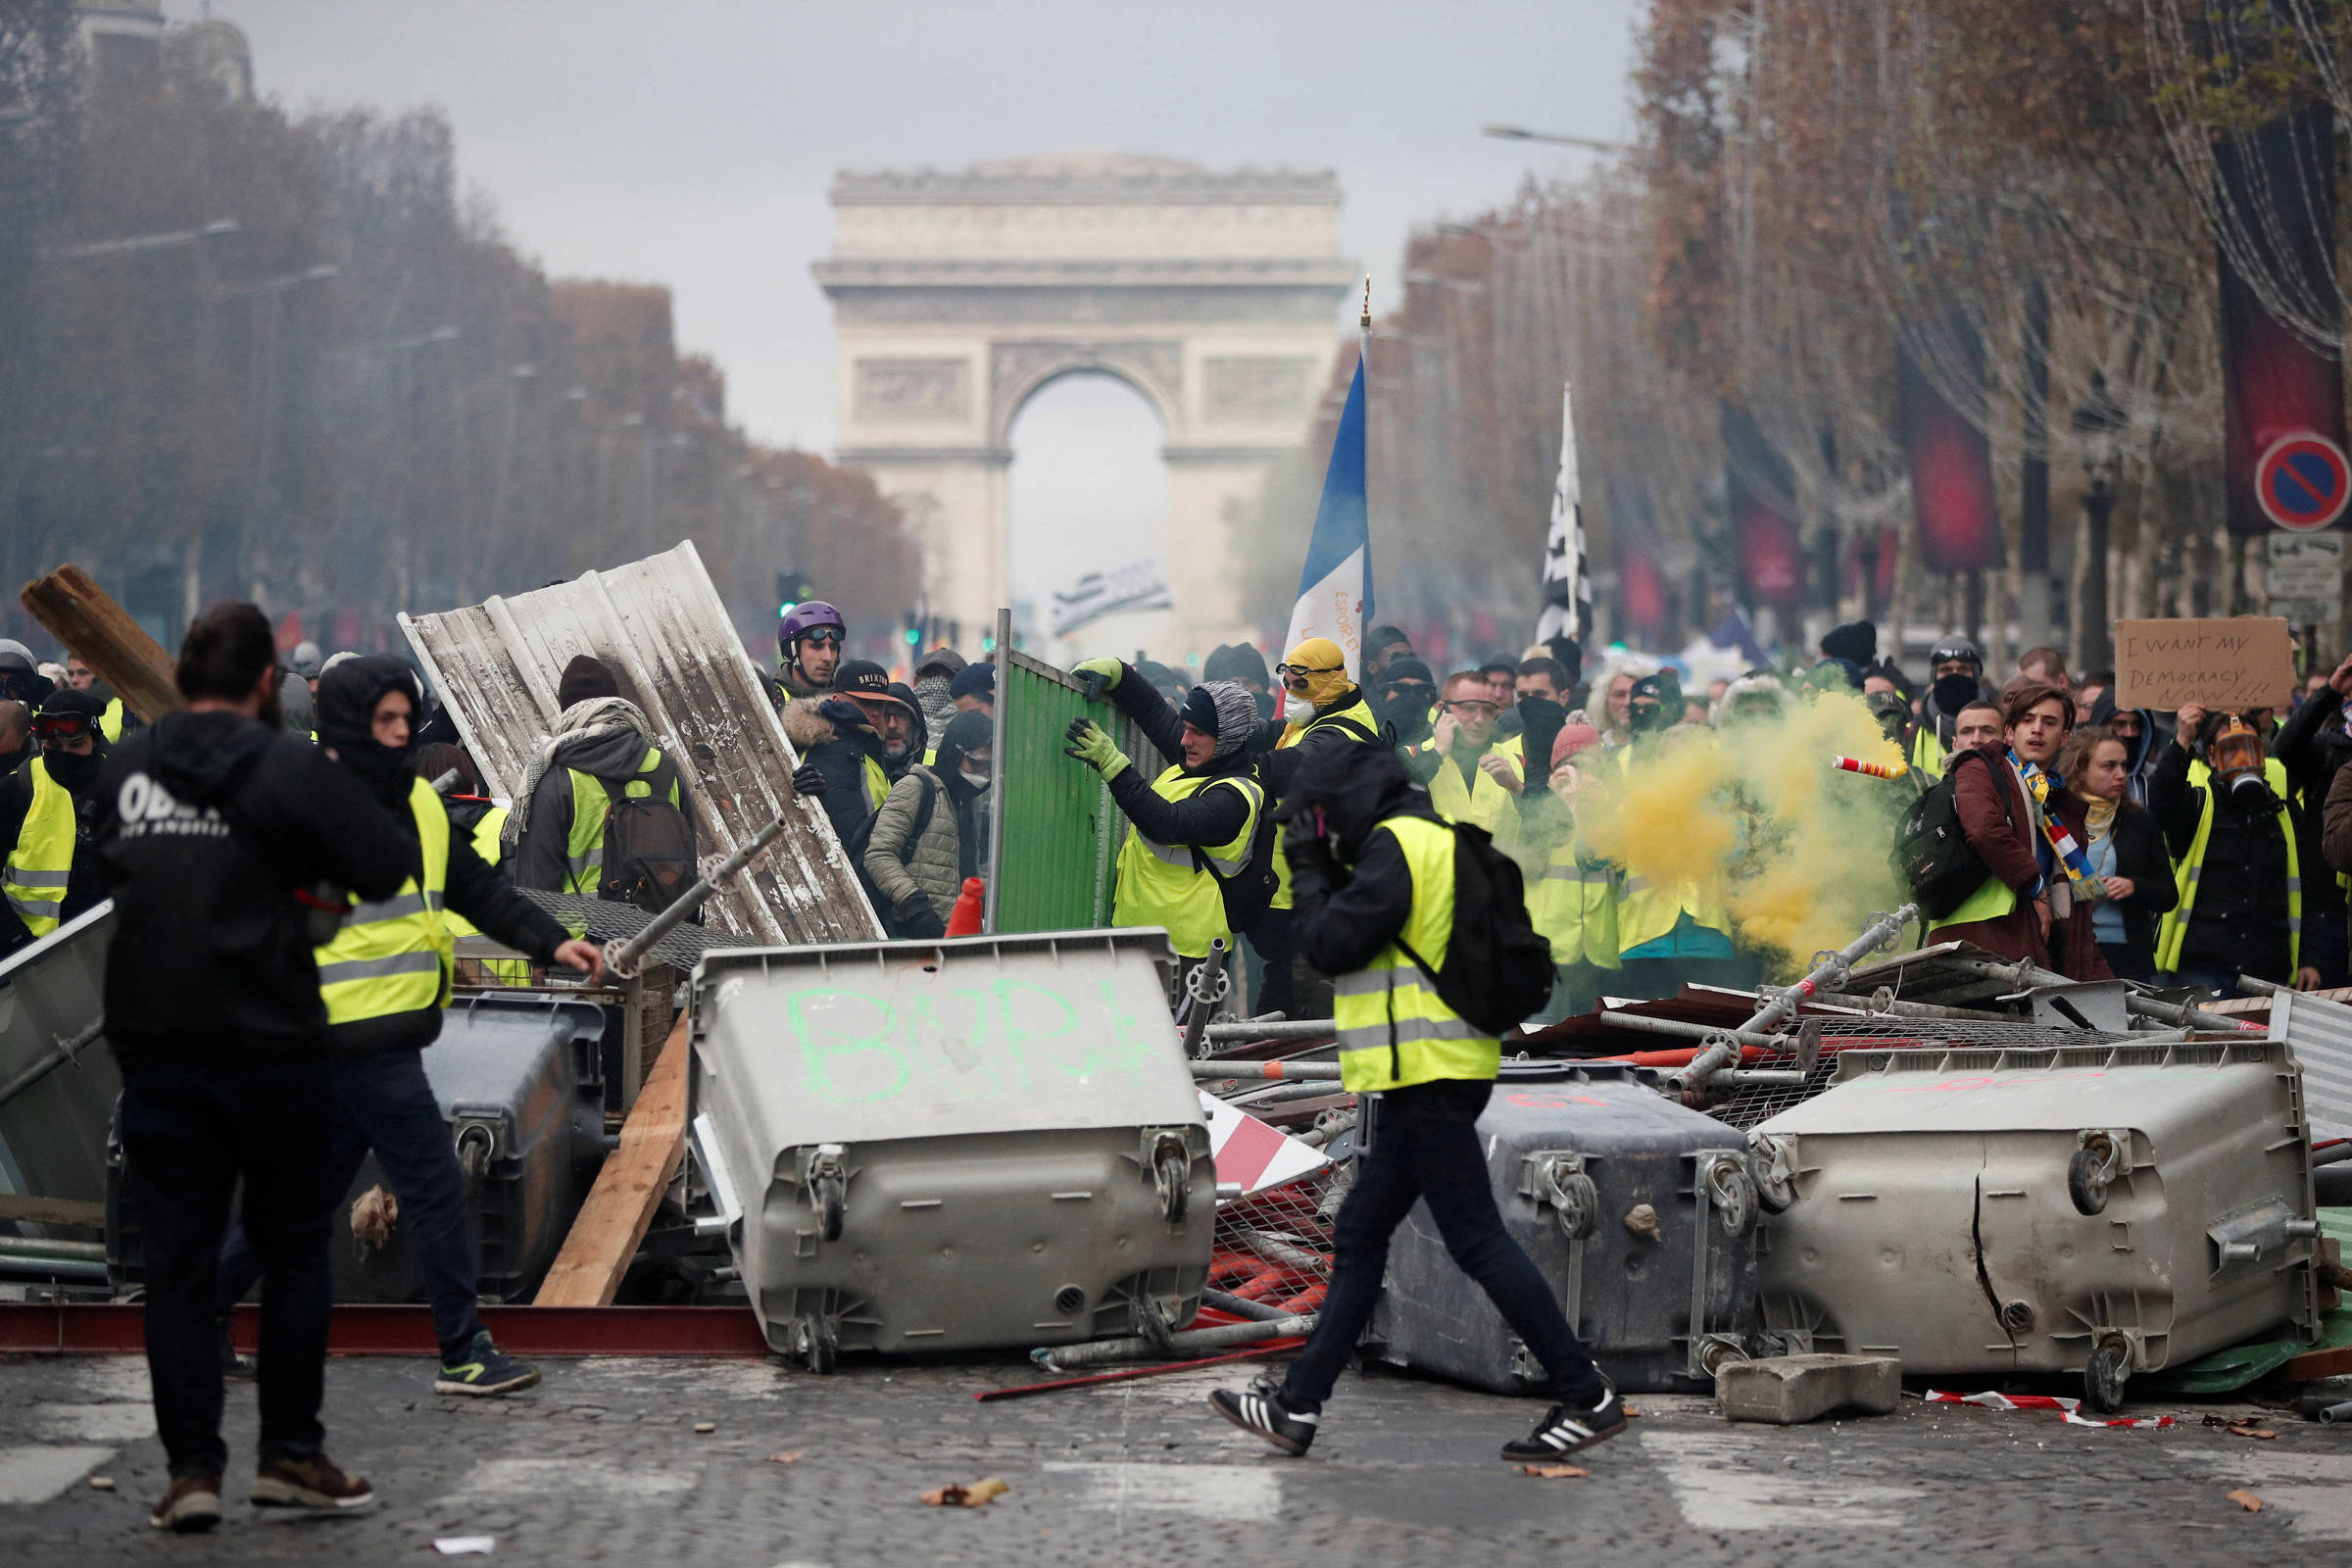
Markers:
(1497, 968)
(1932, 853)
(1249, 896)
(649, 842)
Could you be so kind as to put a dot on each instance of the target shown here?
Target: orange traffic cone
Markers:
(965, 919)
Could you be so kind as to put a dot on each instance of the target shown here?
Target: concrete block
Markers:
(1790, 1390)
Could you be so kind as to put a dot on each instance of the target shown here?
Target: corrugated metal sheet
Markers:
(659, 625)
(2320, 1036)
(1058, 832)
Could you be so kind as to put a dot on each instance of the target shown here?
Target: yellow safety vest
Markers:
(2173, 930)
(1647, 912)
(1394, 1029)
(110, 722)
(395, 956)
(591, 804)
(1164, 884)
(40, 863)
(491, 848)
(1926, 750)
(1483, 803)
(1574, 906)
(1346, 721)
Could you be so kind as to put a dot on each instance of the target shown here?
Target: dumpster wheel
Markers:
(2105, 1374)
(819, 1345)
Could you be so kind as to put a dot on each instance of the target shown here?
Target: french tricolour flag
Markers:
(1335, 590)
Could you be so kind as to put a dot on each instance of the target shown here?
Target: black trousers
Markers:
(1270, 940)
(1425, 1145)
(189, 1131)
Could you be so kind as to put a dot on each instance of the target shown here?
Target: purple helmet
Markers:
(805, 617)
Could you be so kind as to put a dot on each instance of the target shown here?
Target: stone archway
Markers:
(956, 296)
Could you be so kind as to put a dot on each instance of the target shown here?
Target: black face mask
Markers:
(1952, 693)
(76, 772)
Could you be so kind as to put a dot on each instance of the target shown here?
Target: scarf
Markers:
(598, 718)
(2061, 838)
(2102, 816)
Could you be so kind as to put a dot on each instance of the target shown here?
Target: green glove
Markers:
(1099, 675)
(1090, 745)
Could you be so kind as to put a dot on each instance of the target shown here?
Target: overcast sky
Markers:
(691, 143)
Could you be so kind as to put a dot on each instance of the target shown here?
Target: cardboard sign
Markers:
(2228, 665)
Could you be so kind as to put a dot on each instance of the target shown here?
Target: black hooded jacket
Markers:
(1354, 900)
(831, 735)
(965, 733)
(1207, 817)
(208, 823)
(2140, 752)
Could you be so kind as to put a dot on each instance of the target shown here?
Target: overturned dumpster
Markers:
(990, 1141)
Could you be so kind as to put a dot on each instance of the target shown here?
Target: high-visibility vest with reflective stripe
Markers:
(394, 956)
(110, 722)
(877, 783)
(1928, 754)
(1163, 885)
(1647, 910)
(488, 845)
(1573, 904)
(40, 862)
(2172, 932)
(1483, 803)
(1395, 1030)
(1356, 722)
(591, 803)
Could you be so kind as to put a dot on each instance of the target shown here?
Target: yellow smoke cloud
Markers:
(1795, 851)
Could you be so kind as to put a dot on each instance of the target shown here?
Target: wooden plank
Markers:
(81, 614)
(53, 1211)
(621, 1206)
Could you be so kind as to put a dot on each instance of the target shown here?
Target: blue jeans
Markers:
(190, 1129)
(384, 1102)
(1425, 1145)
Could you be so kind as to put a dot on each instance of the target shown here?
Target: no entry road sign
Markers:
(2303, 481)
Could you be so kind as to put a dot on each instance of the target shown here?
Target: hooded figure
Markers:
(2140, 745)
(1656, 704)
(913, 852)
(49, 819)
(1242, 663)
(935, 686)
(602, 748)
(966, 764)
(348, 695)
(1406, 699)
(1758, 694)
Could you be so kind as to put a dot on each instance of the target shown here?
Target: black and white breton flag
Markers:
(1137, 585)
(1567, 584)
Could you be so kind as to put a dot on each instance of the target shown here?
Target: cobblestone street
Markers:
(602, 1464)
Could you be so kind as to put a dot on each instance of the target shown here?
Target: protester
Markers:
(2238, 842)
(16, 746)
(1616, 687)
(2126, 851)
(1382, 645)
(1406, 700)
(214, 822)
(1375, 876)
(808, 647)
(1955, 680)
(1855, 643)
(1501, 677)
(1469, 776)
(966, 766)
(1544, 676)
(841, 748)
(113, 716)
(1669, 934)
(1240, 662)
(2046, 665)
(913, 853)
(385, 976)
(21, 680)
(1193, 849)
(1978, 724)
(935, 688)
(1573, 900)
(974, 688)
(2025, 907)
(600, 758)
(49, 814)
(2137, 729)
(2098, 687)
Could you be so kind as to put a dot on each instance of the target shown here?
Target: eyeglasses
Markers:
(1472, 706)
(823, 634)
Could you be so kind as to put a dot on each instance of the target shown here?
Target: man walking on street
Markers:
(1373, 876)
(213, 821)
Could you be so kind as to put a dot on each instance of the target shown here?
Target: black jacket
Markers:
(209, 824)
(2239, 919)
(2313, 745)
(1352, 898)
(482, 894)
(86, 880)
(832, 736)
(1209, 818)
(1279, 764)
(2140, 856)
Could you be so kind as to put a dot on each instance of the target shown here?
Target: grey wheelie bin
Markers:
(1640, 1213)
(2096, 1209)
(940, 1146)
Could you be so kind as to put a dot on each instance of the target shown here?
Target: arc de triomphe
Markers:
(956, 296)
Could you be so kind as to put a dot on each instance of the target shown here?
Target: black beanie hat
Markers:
(1856, 642)
(586, 677)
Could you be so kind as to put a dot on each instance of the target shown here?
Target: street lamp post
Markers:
(2099, 422)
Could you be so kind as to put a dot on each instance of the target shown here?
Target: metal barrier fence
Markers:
(1054, 836)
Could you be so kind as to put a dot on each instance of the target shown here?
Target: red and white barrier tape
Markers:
(2065, 1406)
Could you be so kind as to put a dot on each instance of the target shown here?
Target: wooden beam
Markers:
(81, 614)
(53, 1211)
(621, 1206)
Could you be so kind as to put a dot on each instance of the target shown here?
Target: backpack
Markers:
(1497, 970)
(1932, 853)
(1249, 896)
(649, 855)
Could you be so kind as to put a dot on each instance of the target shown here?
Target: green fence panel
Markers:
(1056, 833)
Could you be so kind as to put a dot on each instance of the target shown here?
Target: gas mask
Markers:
(2235, 757)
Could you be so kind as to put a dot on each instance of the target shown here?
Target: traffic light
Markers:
(792, 588)
(914, 632)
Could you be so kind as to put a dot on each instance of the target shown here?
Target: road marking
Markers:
(506, 1477)
(35, 1475)
(2313, 1490)
(97, 1423)
(1237, 1492)
(1720, 1484)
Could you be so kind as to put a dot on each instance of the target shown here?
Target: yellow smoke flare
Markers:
(1796, 853)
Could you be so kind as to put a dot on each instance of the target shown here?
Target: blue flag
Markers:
(1335, 590)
